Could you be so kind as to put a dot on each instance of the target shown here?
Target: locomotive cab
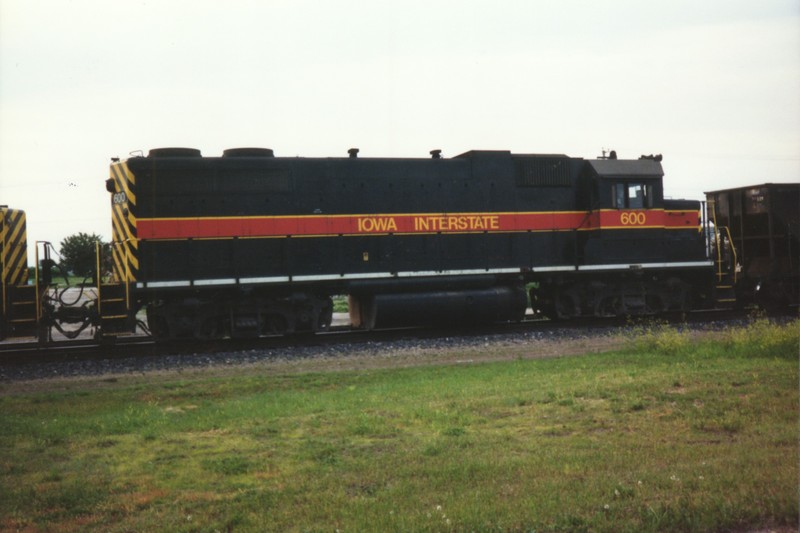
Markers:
(629, 204)
(637, 253)
(628, 188)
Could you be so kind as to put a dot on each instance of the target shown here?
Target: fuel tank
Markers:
(452, 308)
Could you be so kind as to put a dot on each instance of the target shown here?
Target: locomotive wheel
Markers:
(274, 324)
(208, 328)
(325, 315)
(568, 304)
(158, 325)
(654, 304)
(608, 307)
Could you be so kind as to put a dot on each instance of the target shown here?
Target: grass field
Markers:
(669, 434)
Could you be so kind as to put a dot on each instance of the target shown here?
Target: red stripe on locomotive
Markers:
(226, 227)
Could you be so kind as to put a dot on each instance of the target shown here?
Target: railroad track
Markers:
(32, 352)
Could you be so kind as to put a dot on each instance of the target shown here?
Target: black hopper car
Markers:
(758, 244)
(250, 244)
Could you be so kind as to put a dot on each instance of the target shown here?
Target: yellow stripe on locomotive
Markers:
(14, 244)
(124, 243)
(18, 298)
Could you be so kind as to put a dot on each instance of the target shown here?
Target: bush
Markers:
(660, 338)
(78, 254)
(762, 338)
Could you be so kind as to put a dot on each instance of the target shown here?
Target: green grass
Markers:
(340, 304)
(666, 435)
(59, 280)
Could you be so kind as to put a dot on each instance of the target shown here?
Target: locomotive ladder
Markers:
(726, 275)
(21, 310)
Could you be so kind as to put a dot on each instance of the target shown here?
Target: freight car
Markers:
(757, 245)
(248, 243)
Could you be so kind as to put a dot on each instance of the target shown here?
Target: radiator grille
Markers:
(542, 172)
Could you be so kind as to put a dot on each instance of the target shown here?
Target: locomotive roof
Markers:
(769, 186)
(614, 168)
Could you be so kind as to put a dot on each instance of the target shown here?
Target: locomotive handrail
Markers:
(127, 281)
(36, 283)
(717, 230)
(733, 250)
(99, 280)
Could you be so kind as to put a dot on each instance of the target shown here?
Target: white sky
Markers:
(714, 85)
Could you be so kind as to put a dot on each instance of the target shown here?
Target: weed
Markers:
(762, 338)
(433, 450)
(660, 338)
(623, 492)
(454, 432)
(638, 406)
(228, 466)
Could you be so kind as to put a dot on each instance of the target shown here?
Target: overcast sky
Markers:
(714, 85)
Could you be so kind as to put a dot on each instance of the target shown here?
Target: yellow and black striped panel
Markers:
(14, 242)
(124, 243)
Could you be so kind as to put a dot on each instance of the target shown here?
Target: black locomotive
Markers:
(249, 244)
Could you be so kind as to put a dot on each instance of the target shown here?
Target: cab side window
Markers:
(618, 195)
(632, 195)
(636, 196)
